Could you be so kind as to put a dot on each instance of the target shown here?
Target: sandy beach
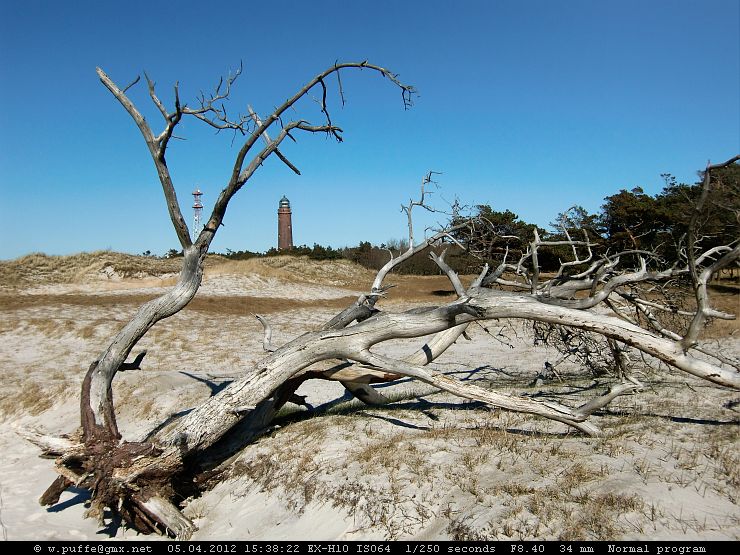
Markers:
(426, 466)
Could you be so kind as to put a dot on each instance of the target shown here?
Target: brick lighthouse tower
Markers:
(285, 225)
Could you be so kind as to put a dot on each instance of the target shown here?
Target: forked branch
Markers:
(701, 278)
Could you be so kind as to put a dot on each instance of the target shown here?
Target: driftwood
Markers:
(138, 481)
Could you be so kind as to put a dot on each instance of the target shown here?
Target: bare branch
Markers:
(359, 311)
(165, 513)
(599, 296)
(366, 393)
(451, 274)
(135, 480)
(157, 152)
(497, 273)
(377, 287)
(479, 281)
(549, 410)
(600, 402)
(235, 182)
(155, 99)
(576, 260)
(131, 84)
(703, 310)
(212, 110)
(265, 135)
(412, 203)
(533, 246)
(267, 339)
(339, 84)
(49, 445)
(700, 281)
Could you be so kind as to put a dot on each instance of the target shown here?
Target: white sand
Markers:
(433, 467)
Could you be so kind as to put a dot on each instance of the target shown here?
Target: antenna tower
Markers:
(197, 213)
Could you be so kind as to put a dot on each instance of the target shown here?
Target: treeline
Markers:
(629, 220)
(655, 227)
(366, 254)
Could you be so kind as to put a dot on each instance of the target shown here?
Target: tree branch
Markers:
(267, 339)
(236, 181)
(158, 156)
(698, 281)
(279, 154)
(550, 410)
(703, 310)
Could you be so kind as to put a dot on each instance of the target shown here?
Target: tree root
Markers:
(110, 471)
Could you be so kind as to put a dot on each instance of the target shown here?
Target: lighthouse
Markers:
(285, 225)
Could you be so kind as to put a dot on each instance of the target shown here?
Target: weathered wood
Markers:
(604, 400)
(366, 393)
(167, 515)
(205, 424)
(54, 491)
(97, 412)
(267, 338)
(51, 446)
(157, 147)
(549, 410)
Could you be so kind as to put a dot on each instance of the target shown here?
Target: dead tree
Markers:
(140, 480)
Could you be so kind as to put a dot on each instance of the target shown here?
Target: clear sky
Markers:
(528, 105)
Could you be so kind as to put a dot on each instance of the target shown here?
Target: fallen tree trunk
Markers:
(204, 425)
(250, 396)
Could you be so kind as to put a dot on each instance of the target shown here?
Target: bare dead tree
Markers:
(139, 480)
(100, 435)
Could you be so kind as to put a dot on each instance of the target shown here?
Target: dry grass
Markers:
(726, 299)
(225, 305)
(28, 397)
(37, 268)
(294, 464)
(299, 269)
(476, 474)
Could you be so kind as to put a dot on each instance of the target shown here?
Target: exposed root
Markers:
(51, 446)
(127, 479)
(54, 491)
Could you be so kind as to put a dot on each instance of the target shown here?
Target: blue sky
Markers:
(528, 105)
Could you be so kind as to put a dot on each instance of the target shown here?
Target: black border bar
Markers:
(164, 547)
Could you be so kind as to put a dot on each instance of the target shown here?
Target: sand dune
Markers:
(428, 466)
